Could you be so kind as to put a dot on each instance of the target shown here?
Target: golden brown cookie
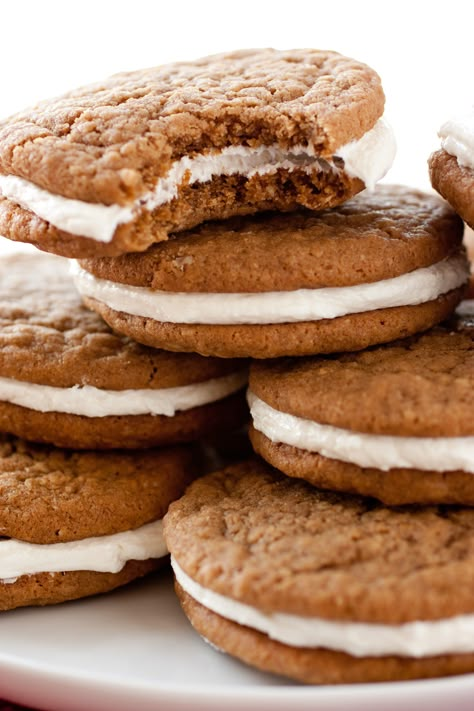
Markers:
(116, 166)
(65, 378)
(452, 167)
(382, 266)
(323, 587)
(393, 422)
(78, 523)
(454, 182)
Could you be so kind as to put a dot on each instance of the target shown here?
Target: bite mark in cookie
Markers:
(114, 167)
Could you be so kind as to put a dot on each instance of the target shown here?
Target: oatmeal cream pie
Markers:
(382, 266)
(66, 379)
(75, 523)
(452, 167)
(116, 166)
(394, 422)
(323, 587)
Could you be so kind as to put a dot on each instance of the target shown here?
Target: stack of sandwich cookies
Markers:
(117, 166)
(80, 523)
(382, 266)
(452, 167)
(323, 587)
(393, 422)
(66, 379)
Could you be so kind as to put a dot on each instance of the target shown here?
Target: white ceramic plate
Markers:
(133, 650)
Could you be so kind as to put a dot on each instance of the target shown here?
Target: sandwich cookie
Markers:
(391, 422)
(452, 167)
(382, 266)
(116, 166)
(323, 587)
(66, 379)
(79, 523)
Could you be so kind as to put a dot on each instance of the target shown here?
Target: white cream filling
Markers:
(457, 138)
(371, 156)
(454, 635)
(77, 217)
(466, 308)
(103, 554)
(416, 287)
(93, 402)
(369, 159)
(383, 452)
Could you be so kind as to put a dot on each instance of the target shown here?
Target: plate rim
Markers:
(336, 692)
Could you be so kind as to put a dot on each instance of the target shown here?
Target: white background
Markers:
(422, 50)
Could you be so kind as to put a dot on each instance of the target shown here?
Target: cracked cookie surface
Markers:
(110, 142)
(52, 495)
(58, 503)
(48, 338)
(386, 399)
(422, 386)
(251, 534)
(281, 546)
